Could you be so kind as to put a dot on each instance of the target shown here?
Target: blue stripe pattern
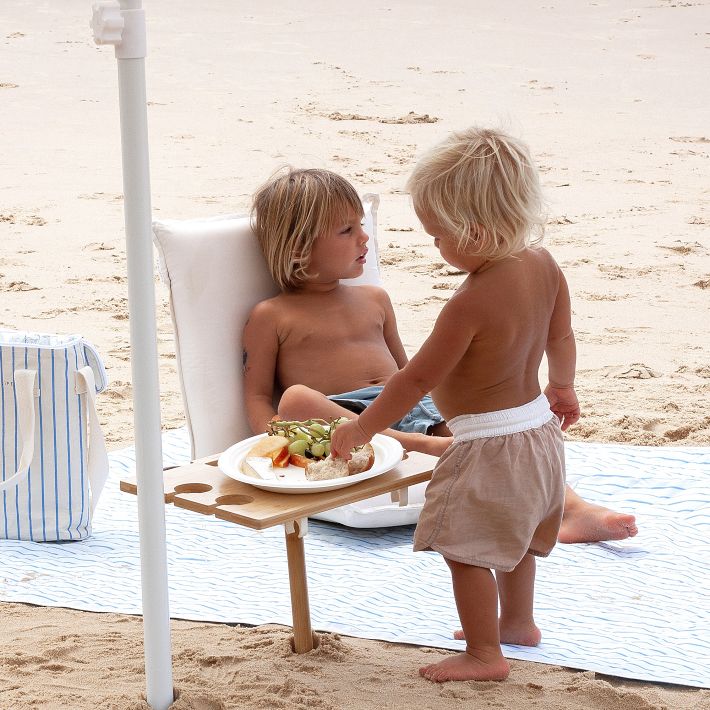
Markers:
(52, 502)
(17, 490)
(2, 444)
(83, 483)
(636, 608)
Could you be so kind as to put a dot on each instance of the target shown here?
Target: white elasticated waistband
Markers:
(534, 414)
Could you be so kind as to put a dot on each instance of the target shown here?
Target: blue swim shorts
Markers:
(420, 419)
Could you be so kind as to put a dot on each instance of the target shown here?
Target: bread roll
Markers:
(329, 468)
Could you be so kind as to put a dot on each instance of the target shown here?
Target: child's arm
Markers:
(260, 348)
(561, 353)
(443, 349)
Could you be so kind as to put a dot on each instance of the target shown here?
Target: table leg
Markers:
(303, 637)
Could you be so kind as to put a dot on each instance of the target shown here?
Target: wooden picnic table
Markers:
(203, 488)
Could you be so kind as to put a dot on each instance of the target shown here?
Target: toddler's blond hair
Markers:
(291, 210)
(480, 185)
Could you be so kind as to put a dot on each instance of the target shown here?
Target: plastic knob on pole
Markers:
(107, 22)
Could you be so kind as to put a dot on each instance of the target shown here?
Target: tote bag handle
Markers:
(97, 455)
(25, 393)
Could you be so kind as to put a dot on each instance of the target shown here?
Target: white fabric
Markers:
(54, 460)
(216, 274)
(467, 427)
(621, 608)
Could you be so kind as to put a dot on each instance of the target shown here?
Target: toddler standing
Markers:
(497, 494)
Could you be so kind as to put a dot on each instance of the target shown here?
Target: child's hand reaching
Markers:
(564, 404)
(346, 437)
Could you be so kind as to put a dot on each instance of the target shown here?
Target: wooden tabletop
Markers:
(201, 486)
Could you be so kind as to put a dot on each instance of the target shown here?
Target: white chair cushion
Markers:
(216, 274)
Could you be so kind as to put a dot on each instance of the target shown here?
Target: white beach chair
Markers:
(216, 273)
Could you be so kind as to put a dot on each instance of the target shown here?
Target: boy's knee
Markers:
(293, 399)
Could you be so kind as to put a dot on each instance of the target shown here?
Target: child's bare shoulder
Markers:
(369, 297)
(544, 256)
(266, 310)
(370, 292)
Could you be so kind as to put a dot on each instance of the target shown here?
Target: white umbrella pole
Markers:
(128, 21)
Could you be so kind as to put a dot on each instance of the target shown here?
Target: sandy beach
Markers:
(612, 98)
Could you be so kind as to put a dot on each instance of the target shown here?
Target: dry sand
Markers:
(613, 99)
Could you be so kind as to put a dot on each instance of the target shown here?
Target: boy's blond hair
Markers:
(291, 210)
(480, 185)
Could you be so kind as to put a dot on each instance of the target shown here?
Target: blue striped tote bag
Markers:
(54, 460)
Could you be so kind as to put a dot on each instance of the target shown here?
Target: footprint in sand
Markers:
(634, 371)
(418, 305)
(123, 354)
(614, 271)
(97, 246)
(20, 286)
(411, 117)
(365, 136)
(703, 371)
(588, 296)
(118, 391)
(101, 196)
(683, 247)
(689, 139)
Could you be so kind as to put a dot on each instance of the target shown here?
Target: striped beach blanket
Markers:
(637, 609)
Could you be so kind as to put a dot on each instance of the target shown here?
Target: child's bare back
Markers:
(510, 306)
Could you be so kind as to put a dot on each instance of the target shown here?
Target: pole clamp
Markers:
(124, 29)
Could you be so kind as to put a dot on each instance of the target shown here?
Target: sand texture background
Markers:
(613, 99)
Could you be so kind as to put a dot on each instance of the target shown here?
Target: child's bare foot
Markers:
(528, 635)
(467, 666)
(586, 522)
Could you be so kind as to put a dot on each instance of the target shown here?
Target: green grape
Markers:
(327, 448)
(298, 447)
(317, 429)
(318, 450)
(303, 436)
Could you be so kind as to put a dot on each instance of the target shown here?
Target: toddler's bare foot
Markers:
(587, 522)
(528, 635)
(467, 666)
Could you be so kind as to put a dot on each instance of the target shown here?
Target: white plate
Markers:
(388, 453)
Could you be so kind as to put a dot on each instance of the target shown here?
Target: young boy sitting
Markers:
(321, 342)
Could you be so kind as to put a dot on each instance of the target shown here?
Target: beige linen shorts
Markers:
(498, 491)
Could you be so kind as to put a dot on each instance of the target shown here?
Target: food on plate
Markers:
(308, 440)
(259, 467)
(305, 444)
(272, 447)
(362, 460)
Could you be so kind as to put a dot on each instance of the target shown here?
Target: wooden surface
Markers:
(304, 639)
(202, 487)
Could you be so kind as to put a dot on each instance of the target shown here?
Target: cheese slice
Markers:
(259, 467)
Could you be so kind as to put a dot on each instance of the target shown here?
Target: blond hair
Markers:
(290, 211)
(480, 186)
